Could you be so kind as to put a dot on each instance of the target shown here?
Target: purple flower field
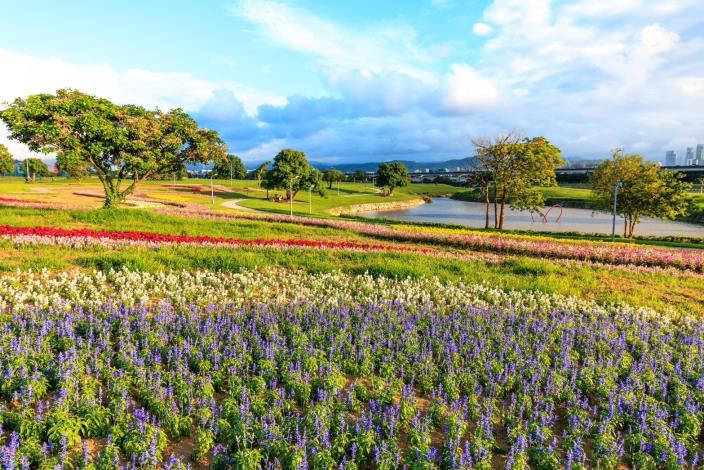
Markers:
(358, 385)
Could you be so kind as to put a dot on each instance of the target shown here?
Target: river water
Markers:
(471, 214)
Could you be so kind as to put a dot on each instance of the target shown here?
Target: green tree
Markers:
(392, 175)
(260, 172)
(332, 176)
(229, 166)
(360, 176)
(119, 143)
(72, 166)
(291, 172)
(7, 163)
(512, 168)
(645, 190)
(33, 167)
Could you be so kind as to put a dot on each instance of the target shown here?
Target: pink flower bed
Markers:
(582, 250)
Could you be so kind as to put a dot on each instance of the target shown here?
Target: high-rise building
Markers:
(698, 157)
(689, 157)
(670, 158)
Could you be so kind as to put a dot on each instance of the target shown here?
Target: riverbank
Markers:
(551, 219)
(376, 207)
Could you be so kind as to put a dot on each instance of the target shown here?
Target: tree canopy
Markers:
(229, 166)
(645, 190)
(331, 176)
(260, 172)
(33, 167)
(72, 166)
(7, 163)
(292, 173)
(392, 175)
(120, 143)
(508, 169)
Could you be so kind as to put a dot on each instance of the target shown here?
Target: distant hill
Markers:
(452, 165)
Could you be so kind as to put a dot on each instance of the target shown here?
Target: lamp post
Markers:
(212, 192)
(290, 193)
(613, 218)
(310, 199)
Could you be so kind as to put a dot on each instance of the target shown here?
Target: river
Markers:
(471, 214)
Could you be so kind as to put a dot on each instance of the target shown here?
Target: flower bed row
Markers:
(293, 370)
(584, 250)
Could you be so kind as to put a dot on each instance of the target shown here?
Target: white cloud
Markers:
(482, 29)
(392, 46)
(466, 91)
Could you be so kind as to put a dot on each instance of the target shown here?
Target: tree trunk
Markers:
(502, 215)
(488, 202)
(625, 226)
(496, 208)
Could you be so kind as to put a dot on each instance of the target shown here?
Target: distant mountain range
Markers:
(412, 166)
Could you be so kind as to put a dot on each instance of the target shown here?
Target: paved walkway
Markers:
(234, 204)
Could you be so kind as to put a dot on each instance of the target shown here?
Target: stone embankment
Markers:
(376, 207)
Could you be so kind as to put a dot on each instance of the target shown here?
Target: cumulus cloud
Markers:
(482, 29)
(588, 74)
(214, 103)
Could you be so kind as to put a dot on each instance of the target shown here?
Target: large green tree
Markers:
(392, 175)
(229, 166)
(331, 176)
(121, 144)
(7, 163)
(511, 168)
(292, 173)
(645, 190)
(72, 166)
(33, 167)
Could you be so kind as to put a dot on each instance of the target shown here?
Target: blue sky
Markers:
(378, 80)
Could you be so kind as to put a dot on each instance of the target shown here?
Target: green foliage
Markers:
(33, 167)
(72, 165)
(7, 163)
(292, 173)
(229, 166)
(645, 190)
(392, 175)
(508, 171)
(118, 143)
(332, 176)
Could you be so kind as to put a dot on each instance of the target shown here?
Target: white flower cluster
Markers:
(94, 289)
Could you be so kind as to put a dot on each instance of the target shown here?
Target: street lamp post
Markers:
(290, 194)
(212, 192)
(613, 219)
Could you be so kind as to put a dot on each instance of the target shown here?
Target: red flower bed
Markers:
(150, 237)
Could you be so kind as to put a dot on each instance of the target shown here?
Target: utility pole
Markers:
(613, 219)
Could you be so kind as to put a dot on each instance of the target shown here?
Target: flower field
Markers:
(582, 250)
(281, 369)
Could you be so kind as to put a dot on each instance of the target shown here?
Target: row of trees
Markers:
(31, 167)
(510, 169)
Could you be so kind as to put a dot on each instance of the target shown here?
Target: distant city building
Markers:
(670, 158)
(698, 155)
(689, 156)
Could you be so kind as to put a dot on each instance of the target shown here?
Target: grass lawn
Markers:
(510, 272)
(198, 191)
